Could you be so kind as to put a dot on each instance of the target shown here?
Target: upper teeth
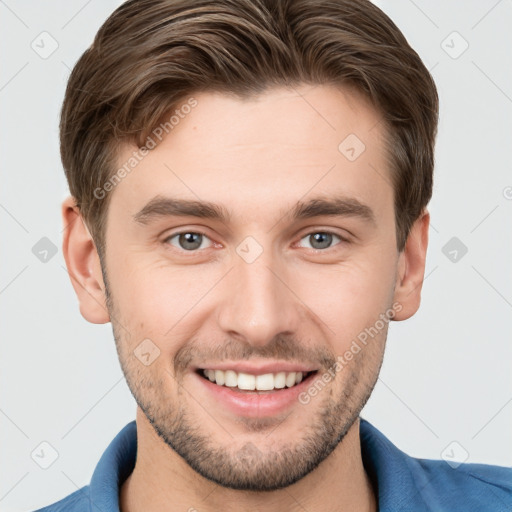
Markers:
(265, 382)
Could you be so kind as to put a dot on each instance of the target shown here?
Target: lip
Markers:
(259, 368)
(254, 404)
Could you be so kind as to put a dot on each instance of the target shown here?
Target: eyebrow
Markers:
(160, 207)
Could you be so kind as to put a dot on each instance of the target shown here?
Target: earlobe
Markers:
(411, 268)
(83, 264)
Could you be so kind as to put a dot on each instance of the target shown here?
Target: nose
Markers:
(259, 303)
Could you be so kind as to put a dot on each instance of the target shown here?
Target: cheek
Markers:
(155, 299)
(350, 297)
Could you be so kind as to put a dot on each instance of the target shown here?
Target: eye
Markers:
(187, 240)
(320, 240)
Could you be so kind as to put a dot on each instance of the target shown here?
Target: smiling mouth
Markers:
(240, 381)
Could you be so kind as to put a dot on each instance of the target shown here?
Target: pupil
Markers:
(187, 241)
(323, 238)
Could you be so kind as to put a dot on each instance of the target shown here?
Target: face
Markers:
(269, 285)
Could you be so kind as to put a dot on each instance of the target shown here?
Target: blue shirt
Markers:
(403, 483)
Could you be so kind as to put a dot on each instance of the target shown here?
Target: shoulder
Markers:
(404, 482)
(478, 485)
(78, 501)
(114, 466)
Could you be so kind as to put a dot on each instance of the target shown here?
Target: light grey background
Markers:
(446, 374)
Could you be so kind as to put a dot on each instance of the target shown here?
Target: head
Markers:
(249, 182)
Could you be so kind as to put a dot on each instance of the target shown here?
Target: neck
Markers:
(162, 480)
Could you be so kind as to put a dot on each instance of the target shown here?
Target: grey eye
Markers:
(188, 240)
(320, 239)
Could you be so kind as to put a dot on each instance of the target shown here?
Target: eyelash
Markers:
(343, 240)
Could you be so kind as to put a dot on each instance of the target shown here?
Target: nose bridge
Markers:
(258, 304)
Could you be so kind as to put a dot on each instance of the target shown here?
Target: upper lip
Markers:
(259, 368)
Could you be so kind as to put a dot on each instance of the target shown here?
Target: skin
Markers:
(257, 158)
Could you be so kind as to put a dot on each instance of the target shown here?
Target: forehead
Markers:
(266, 152)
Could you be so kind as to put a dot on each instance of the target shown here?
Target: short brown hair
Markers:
(151, 54)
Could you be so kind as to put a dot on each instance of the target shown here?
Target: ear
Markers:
(411, 268)
(83, 264)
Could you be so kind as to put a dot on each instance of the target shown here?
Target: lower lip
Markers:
(256, 404)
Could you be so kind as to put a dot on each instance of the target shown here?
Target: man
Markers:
(249, 185)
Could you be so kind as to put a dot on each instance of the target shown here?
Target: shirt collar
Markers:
(114, 467)
(395, 475)
(389, 469)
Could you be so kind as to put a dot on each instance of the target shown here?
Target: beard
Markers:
(249, 467)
